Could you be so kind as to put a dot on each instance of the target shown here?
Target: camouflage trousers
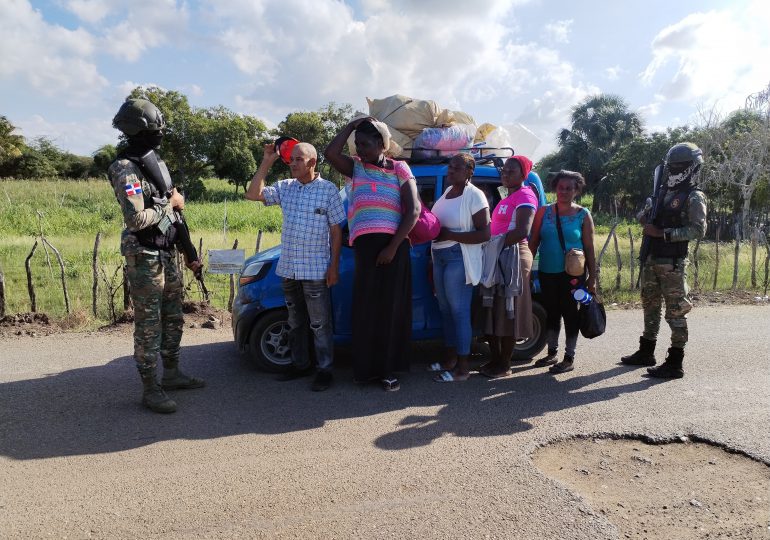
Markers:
(663, 280)
(156, 293)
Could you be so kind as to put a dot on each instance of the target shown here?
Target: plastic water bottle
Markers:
(582, 296)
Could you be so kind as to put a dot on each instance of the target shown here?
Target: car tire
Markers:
(269, 342)
(528, 349)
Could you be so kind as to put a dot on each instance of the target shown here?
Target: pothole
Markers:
(682, 490)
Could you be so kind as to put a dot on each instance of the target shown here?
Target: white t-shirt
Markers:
(448, 212)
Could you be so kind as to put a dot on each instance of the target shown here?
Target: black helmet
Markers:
(684, 152)
(683, 160)
(137, 115)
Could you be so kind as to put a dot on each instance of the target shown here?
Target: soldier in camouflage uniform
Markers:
(681, 217)
(148, 244)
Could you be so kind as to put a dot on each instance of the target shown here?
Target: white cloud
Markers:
(91, 11)
(613, 73)
(49, 58)
(559, 31)
(391, 50)
(712, 57)
(144, 24)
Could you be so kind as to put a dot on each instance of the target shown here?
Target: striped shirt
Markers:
(375, 198)
(309, 210)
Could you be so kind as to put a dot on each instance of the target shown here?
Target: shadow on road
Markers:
(97, 410)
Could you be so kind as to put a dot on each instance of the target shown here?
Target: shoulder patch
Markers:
(133, 188)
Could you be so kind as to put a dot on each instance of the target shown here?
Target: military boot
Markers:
(672, 367)
(645, 356)
(174, 379)
(153, 396)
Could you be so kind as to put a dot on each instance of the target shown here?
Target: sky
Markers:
(67, 65)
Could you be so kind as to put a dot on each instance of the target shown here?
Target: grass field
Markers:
(71, 213)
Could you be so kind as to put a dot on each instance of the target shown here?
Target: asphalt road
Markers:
(251, 457)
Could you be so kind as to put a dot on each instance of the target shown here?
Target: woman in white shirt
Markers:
(463, 211)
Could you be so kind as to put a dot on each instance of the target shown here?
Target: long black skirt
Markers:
(382, 309)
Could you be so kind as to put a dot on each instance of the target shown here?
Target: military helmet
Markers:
(683, 161)
(684, 152)
(137, 115)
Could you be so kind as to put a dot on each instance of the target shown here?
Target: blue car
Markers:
(260, 320)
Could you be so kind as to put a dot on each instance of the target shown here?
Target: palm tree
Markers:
(10, 145)
(601, 125)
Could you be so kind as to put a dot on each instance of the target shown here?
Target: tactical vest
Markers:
(162, 235)
(672, 215)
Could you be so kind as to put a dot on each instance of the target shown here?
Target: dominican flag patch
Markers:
(135, 188)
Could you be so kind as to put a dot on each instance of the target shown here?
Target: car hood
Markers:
(270, 254)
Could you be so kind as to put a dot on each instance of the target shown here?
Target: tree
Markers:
(11, 144)
(630, 171)
(232, 143)
(601, 125)
(102, 159)
(738, 150)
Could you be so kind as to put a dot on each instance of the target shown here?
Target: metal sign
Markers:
(225, 261)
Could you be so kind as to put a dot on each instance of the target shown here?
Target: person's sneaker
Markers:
(391, 385)
(567, 364)
(294, 374)
(548, 360)
(322, 381)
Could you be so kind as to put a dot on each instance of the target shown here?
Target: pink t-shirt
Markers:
(504, 216)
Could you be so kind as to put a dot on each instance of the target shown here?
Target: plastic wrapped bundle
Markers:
(442, 141)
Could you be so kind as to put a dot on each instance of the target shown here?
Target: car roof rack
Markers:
(482, 155)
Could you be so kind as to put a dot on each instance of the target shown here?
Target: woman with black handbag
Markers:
(564, 234)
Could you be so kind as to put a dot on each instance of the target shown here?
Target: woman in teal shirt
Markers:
(556, 285)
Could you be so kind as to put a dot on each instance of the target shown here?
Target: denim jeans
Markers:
(454, 298)
(309, 304)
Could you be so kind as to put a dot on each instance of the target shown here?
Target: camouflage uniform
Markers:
(153, 275)
(665, 276)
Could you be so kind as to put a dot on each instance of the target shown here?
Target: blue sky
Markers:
(66, 65)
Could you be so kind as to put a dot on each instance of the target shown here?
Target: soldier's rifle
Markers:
(650, 210)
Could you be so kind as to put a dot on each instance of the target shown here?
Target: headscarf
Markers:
(525, 163)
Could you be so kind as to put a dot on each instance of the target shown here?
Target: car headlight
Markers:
(254, 272)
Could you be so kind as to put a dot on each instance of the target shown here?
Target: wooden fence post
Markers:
(232, 284)
(63, 277)
(632, 262)
(94, 267)
(716, 259)
(767, 260)
(618, 261)
(259, 241)
(736, 234)
(30, 286)
(601, 254)
(2, 293)
(754, 243)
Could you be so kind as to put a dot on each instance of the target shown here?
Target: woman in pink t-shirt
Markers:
(513, 217)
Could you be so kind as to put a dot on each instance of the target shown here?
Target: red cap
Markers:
(284, 146)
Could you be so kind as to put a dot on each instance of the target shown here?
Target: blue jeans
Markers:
(309, 304)
(454, 298)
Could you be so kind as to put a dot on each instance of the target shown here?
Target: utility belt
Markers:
(674, 261)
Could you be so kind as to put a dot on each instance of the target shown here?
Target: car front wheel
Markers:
(269, 341)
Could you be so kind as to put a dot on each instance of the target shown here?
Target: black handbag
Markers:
(593, 318)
